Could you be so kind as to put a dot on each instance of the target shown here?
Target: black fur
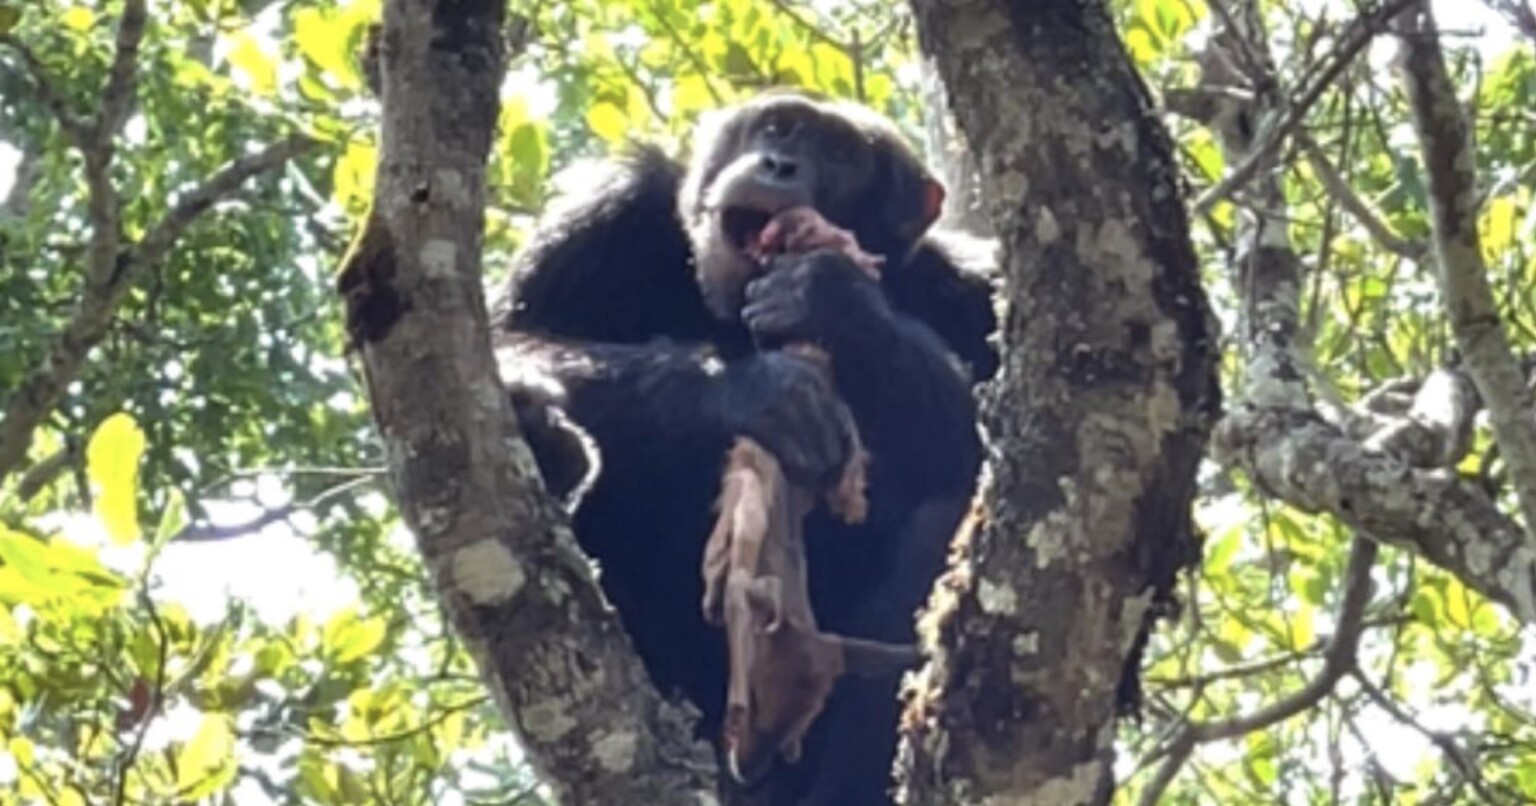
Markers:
(605, 302)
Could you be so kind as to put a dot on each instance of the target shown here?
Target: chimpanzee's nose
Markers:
(778, 167)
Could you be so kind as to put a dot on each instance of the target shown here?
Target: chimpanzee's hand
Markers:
(788, 404)
(820, 296)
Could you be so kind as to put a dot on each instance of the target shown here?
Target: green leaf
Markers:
(348, 637)
(172, 520)
(1219, 557)
(9, 16)
(1427, 606)
(112, 463)
(205, 764)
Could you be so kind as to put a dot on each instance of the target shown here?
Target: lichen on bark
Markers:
(517, 588)
(1096, 422)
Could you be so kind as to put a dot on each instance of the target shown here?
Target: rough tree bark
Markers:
(515, 584)
(1445, 141)
(1097, 420)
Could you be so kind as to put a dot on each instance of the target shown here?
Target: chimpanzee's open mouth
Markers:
(742, 225)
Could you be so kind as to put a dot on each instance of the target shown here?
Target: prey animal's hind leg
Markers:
(747, 494)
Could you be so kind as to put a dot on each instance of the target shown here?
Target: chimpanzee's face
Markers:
(782, 151)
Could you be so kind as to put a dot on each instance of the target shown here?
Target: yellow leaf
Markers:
(608, 122)
(1138, 40)
(328, 40)
(349, 637)
(1457, 604)
(206, 761)
(79, 18)
(20, 749)
(112, 463)
(1498, 227)
(354, 175)
(1303, 628)
(691, 95)
(247, 57)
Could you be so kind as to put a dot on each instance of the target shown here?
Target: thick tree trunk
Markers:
(519, 591)
(1097, 420)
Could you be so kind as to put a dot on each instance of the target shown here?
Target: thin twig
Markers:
(1337, 662)
(1360, 34)
(130, 754)
(1459, 758)
(1339, 188)
(210, 533)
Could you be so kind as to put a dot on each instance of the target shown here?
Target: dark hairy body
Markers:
(634, 314)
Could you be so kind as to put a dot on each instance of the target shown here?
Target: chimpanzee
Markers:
(636, 311)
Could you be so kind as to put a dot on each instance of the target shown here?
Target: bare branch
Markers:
(1437, 430)
(1340, 189)
(209, 532)
(46, 470)
(519, 591)
(1338, 660)
(1519, 13)
(122, 79)
(1354, 40)
(223, 184)
(1465, 763)
(1446, 142)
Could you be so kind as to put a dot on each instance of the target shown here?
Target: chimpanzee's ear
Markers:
(916, 199)
(873, 658)
(933, 202)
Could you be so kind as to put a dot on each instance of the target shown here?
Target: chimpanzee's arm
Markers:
(659, 406)
(909, 394)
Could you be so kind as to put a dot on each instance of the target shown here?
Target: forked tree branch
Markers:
(1446, 142)
(112, 266)
(1369, 482)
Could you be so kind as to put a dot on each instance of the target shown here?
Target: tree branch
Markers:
(1338, 660)
(1446, 143)
(508, 571)
(1354, 40)
(122, 78)
(1298, 458)
(1359, 208)
(1465, 763)
(1096, 423)
(1292, 454)
(113, 271)
(76, 129)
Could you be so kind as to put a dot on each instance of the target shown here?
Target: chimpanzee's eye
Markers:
(841, 146)
(778, 125)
